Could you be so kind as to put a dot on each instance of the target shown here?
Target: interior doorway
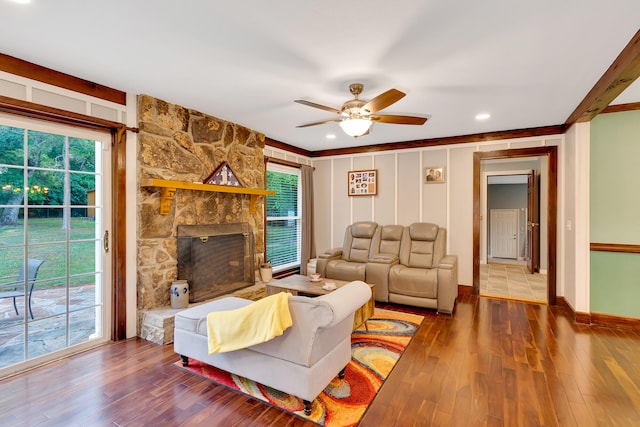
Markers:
(545, 229)
(511, 219)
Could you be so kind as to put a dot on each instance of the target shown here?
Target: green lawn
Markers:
(47, 241)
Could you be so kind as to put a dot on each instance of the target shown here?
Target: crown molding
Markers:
(42, 74)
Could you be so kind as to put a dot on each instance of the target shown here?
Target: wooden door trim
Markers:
(551, 152)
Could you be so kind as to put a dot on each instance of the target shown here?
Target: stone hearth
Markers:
(156, 325)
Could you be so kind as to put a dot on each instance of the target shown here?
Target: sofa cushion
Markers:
(364, 229)
(421, 254)
(414, 282)
(357, 241)
(418, 248)
(345, 270)
(390, 236)
(359, 251)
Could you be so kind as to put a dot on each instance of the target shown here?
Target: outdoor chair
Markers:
(18, 285)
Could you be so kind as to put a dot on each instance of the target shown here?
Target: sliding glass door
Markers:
(54, 255)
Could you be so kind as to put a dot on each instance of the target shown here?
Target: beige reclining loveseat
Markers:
(407, 264)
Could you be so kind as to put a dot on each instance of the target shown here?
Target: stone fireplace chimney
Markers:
(177, 143)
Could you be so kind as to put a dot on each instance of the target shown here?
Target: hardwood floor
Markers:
(493, 363)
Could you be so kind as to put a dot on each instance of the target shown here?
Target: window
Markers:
(284, 231)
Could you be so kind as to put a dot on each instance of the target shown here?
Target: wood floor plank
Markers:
(494, 362)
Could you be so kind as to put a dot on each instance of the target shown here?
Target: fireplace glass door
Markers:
(54, 255)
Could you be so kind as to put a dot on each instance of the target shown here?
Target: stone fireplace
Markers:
(181, 144)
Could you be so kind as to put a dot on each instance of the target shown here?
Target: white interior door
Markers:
(504, 233)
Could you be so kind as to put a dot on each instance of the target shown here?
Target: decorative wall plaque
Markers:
(224, 175)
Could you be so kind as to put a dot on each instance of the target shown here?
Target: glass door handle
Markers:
(105, 241)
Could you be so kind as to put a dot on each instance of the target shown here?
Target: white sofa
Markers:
(302, 361)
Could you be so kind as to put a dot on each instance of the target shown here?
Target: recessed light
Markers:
(483, 116)
(21, 1)
(331, 136)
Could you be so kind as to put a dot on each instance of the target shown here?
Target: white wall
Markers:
(403, 197)
(573, 226)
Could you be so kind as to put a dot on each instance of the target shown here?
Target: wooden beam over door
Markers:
(624, 70)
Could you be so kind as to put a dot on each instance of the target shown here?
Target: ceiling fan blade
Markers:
(401, 120)
(314, 105)
(382, 101)
(319, 123)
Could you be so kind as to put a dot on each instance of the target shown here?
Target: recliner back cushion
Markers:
(418, 245)
(390, 237)
(357, 241)
(360, 250)
(421, 254)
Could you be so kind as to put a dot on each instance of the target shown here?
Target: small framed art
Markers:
(362, 183)
(434, 174)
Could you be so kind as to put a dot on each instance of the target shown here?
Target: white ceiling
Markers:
(528, 64)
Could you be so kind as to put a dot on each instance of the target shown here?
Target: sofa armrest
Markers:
(334, 253)
(448, 262)
(447, 283)
(346, 300)
(324, 258)
(319, 324)
(384, 259)
(377, 273)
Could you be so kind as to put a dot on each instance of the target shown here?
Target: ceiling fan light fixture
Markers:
(355, 127)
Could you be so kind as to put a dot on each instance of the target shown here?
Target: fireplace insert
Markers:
(215, 259)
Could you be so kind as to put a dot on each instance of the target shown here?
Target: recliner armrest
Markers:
(384, 259)
(447, 283)
(331, 253)
(325, 257)
(377, 272)
(448, 262)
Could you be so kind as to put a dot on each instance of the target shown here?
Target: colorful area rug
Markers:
(373, 356)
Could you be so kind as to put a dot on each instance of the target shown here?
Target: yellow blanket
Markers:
(252, 324)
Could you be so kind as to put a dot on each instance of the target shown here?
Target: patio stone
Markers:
(47, 332)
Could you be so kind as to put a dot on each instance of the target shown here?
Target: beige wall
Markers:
(403, 198)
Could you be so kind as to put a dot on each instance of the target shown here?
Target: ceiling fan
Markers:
(358, 115)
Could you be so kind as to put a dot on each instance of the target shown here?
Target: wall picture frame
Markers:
(434, 175)
(362, 182)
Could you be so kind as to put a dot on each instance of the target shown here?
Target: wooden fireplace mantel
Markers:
(168, 190)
